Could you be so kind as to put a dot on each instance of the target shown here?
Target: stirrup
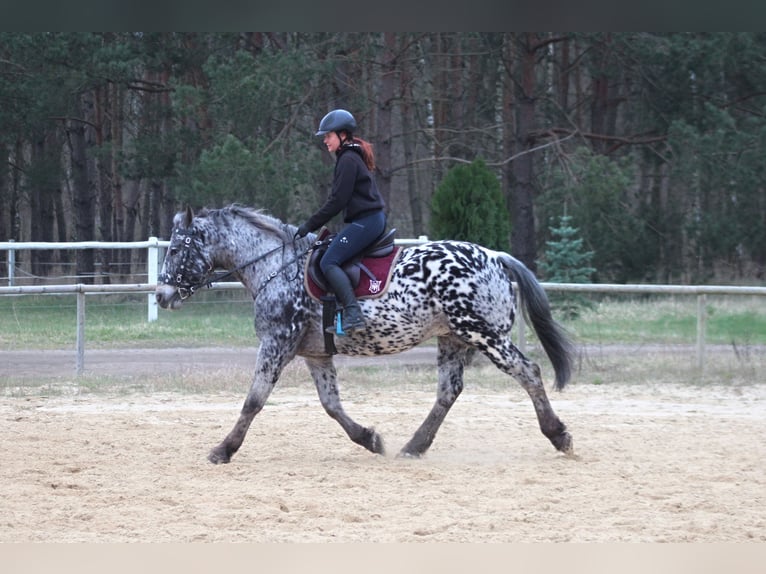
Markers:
(338, 327)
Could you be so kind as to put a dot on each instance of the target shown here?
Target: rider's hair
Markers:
(367, 153)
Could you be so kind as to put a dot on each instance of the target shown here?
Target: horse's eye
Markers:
(173, 251)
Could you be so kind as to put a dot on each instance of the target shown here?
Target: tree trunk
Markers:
(13, 205)
(562, 78)
(84, 191)
(102, 167)
(523, 239)
(44, 187)
(605, 96)
(4, 200)
(439, 104)
(385, 112)
(509, 124)
(408, 143)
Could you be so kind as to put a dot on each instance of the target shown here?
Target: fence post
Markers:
(521, 344)
(701, 329)
(80, 351)
(11, 263)
(152, 261)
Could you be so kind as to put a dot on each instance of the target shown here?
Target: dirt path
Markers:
(52, 363)
(671, 463)
(174, 360)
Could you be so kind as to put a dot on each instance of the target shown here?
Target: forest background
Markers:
(650, 144)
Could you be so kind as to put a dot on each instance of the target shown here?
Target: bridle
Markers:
(186, 288)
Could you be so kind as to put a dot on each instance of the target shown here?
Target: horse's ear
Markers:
(188, 216)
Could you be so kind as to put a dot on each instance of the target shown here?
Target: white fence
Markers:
(154, 245)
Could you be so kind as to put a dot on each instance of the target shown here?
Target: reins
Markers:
(226, 274)
(188, 244)
(271, 275)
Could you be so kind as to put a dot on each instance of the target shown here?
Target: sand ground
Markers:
(656, 463)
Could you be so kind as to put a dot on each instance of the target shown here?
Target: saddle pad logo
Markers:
(375, 286)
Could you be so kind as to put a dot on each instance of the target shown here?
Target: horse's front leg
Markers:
(272, 358)
(452, 358)
(325, 378)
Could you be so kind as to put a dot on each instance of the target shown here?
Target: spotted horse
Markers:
(458, 292)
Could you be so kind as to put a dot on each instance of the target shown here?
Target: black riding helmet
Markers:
(337, 121)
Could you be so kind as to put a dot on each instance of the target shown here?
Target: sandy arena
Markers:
(656, 463)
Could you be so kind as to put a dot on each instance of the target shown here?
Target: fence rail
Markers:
(154, 245)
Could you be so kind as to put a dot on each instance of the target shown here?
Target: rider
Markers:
(354, 192)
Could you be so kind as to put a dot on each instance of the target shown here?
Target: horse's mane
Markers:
(255, 217)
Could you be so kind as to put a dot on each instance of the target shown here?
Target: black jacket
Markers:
(353, 190)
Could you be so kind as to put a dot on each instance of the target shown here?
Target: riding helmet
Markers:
(337, 121)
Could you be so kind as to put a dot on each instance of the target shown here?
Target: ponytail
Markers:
(367, 154)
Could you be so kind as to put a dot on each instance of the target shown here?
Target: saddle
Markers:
(369, 271)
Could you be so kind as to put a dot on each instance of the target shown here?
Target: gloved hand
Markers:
(302, 231)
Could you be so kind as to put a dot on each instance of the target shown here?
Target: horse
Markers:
(458, 292)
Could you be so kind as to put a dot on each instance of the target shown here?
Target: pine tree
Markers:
(565, 261)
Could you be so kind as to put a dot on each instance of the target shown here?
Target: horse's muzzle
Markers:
(168, 297)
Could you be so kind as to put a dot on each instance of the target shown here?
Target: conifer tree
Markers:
(468, 205)
(565, 261)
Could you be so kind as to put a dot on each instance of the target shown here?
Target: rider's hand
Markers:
(302, 231)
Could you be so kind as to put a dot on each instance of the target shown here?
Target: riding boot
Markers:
(352, 317)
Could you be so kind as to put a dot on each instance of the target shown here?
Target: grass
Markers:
(225, 318)
(120, 321)
(737, 325)
(738, 320)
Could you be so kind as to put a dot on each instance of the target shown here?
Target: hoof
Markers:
(410, 455)
(375, 443)
(563, 443)
(218, 456)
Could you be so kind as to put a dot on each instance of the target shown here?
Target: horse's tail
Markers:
(537, 312)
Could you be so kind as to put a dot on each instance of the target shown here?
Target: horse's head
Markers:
(186, 266)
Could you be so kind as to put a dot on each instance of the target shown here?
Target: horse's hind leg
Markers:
(452, 358)
(510, 360)
(325, 379)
